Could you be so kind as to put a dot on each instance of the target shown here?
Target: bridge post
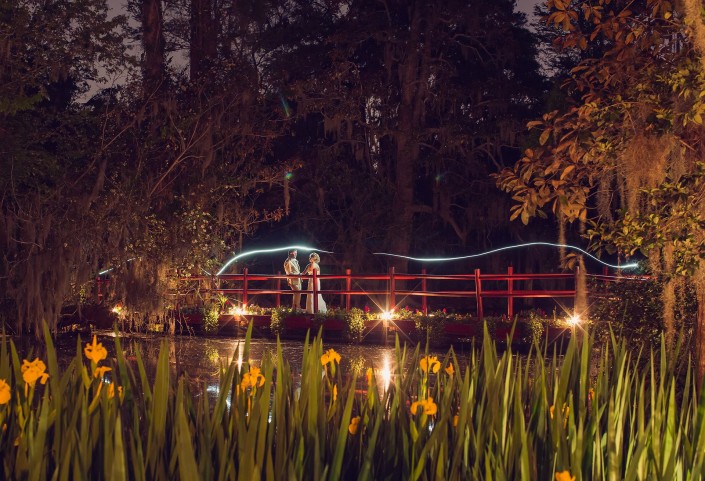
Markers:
(478, 294)
(244, 286)
(279, 288)
(424, 302)
(391, 299)
(348, 288)
(315, 292)
(510, 291)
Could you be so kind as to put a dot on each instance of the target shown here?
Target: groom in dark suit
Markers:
(291, 267)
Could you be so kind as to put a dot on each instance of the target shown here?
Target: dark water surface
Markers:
(200, 358)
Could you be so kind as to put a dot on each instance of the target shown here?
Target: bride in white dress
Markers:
(314, 259)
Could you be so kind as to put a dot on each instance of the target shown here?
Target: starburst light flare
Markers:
(267, 251)
(632, 265)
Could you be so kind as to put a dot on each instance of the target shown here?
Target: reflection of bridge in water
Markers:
(392, 290)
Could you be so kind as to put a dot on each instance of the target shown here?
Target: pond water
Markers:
(201, 357)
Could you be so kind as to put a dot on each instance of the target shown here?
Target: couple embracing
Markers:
(291, 267)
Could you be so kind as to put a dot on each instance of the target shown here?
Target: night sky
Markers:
(524, 5)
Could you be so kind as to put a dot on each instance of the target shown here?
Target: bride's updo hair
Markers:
(314, 257)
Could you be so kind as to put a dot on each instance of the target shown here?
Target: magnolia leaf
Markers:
(515, 214)
(567, 171)
(524, 216)
(544, 136)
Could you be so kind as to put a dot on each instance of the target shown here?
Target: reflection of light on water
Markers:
(386, 372)
(214, 389)
(239, 359)
(238, 349)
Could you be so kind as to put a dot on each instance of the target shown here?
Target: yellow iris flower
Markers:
(429, 407)
(254, 378)
(430, 364)
(450, 370)
(32, 371)
(111, 391)
(354, 425)
(95, 351)
(99, 372)
(329, 356)
(5, 392)
(564, 476)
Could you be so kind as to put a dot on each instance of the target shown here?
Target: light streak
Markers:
(632, 265)
(112, 268)
(267, 251)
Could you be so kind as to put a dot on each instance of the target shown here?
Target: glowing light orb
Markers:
(238, 310)
(387, 315)
(117, 309)
(632, 265)
(574, 320)
(288, 176)
(268, 251)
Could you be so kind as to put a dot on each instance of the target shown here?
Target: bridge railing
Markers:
(480, 286)
(249, 285)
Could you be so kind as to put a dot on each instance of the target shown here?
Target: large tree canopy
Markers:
(627, 156)
(408, 105)
(362, 125)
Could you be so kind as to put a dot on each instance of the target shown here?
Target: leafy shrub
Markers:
(634, 309)
(431, 327)
(276, 324)
(355, 324)
(210, 318)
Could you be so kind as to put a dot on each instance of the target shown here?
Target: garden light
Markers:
(574, 320)
(387, 315)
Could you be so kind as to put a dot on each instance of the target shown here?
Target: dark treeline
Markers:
(357, 126)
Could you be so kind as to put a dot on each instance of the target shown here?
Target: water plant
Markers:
(586, 415)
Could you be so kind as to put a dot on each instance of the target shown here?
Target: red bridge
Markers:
(392, 288)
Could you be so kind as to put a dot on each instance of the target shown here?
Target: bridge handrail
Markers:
(479, 291)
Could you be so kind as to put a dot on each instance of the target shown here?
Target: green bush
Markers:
(210, 318)
(276, 324)
(634, 309)
(431, 327)
(355, 324)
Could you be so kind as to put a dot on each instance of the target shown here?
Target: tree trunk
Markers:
(412, 94)
(202, 46)
(154, 64)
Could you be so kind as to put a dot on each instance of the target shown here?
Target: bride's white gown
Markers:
(309, 297)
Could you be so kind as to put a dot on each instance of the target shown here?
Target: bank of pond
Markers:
(607, 412)
(439, 328)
